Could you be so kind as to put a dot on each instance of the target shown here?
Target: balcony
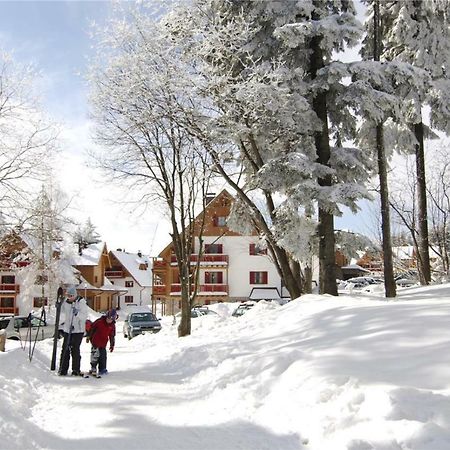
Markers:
(215, 289)
(209, 259)
(10, 288)
(204, 289)
(9, 310)
(114, 273)
(159, 264)
(159, 289)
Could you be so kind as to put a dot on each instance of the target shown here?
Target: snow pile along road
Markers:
(354, 372)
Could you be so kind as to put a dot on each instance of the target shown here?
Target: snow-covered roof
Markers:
(132, 262)
(90, 256)
(355, 267)
(264, 293)
(108, 286)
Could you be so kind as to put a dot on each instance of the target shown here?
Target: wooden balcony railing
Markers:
(9, 310)
(203, 288)
(10, 288)
(213, 288)
(114, 273)
(206, 258)
(159, 289)
(159, 264)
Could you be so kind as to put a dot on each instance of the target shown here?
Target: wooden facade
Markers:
(214, 266)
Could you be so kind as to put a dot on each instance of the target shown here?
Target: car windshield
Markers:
(142, 317)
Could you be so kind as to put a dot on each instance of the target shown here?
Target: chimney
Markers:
(139, 253)
(209, 196)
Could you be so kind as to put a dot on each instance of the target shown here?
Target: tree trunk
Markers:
(184, 328)
(389, 281)
(327, 258)
(388, 266)
(424, 255)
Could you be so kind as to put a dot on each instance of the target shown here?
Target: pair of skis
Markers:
(59, 300)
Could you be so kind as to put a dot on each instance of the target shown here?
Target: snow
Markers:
(131, 262)
(356, 372)
(90, 255)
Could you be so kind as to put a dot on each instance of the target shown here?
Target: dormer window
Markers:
(220, 221)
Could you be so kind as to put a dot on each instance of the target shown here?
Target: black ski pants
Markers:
(71, 348)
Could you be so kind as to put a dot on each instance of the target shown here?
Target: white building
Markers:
(132, 271)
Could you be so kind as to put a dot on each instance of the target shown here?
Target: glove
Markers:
(111, 349)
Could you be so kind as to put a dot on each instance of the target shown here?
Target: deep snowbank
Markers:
(355, 372)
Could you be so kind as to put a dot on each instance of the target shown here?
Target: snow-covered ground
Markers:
(355, 372)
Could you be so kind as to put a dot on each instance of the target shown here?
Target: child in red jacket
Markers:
(102, 330)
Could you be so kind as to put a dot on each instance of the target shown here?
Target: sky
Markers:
(55, 37)
(354, 372)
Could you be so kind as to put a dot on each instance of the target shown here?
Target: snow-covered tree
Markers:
(26, 137)
(42, 229)
(417, 32)
(352, 244)
(86, 235)
(140, 101)
(265, 70)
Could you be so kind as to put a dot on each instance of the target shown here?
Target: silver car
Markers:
(140, 322)
(24, 327)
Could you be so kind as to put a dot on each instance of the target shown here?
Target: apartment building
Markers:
(233, 267)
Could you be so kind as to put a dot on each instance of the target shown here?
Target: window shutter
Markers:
(252, 277)
(207, 277)
(215, 221)
(252, 249)
(207, 248)
(264, 277)
(220, 248)
(219, 277)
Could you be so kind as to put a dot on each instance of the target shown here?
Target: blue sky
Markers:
(55, 37)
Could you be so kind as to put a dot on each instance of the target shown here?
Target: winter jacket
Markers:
(101, 331)
(74, 314)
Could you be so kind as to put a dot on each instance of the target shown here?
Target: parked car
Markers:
(17, 327)
(243, 308)
(139, 323)
(198, 311)
(406, 282)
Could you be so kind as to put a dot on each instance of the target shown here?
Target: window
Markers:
(128, 299)
(38, 302)
(7, 302)
(219, 221)
(8, 279)
(258, 277)
(129, 284)
(213, 248)
(213, 278)
(255, 249)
